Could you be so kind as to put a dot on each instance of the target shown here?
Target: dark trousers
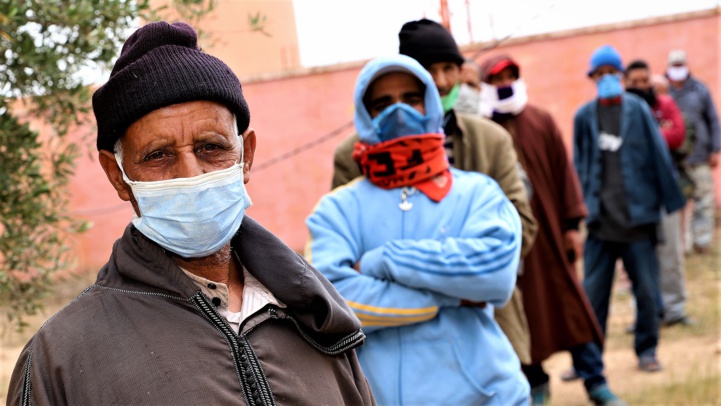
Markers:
(587, 361)
(639, 259)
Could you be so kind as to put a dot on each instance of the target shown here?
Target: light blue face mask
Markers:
(191, 217)
(399, 120)
(609, 86)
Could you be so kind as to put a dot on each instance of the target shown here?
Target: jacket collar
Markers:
(138, 264)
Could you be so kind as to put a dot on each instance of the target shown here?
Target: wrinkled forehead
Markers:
(182, 120)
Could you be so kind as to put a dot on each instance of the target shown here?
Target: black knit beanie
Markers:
(428, 42)
(161, 65)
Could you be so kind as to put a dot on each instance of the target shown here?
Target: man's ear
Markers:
(115, 176)
(248, 152)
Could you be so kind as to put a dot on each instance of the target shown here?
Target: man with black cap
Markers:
(198, 304)
(626, 177)
(472, 144)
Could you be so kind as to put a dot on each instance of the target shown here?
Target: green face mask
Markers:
(449, 100)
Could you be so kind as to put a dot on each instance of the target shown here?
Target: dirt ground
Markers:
(691, 356)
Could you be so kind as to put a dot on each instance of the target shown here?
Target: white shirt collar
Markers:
(255, 297)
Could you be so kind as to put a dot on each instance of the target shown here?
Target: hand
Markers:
(356, 266)
(666, 124)
(468, 303)
(713, 159)
(573, 245)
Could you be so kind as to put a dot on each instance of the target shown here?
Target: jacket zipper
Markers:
(405, 205)
(27, 385)
(250, 375)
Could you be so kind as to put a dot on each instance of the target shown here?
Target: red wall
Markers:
(289, 112)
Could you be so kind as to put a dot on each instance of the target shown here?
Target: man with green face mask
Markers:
(472, 144)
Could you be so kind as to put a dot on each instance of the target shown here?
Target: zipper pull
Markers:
(405, 205)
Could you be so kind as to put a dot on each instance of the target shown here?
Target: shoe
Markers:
(601, 395)
(683, 321)
(569, 375)
(649, 363)
(540, 394)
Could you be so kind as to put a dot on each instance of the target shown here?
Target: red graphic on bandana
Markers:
(414, 160)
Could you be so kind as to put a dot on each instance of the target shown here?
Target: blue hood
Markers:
(396, 63)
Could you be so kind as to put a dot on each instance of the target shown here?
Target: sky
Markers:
(336, 31)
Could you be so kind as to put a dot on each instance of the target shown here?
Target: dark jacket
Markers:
(145, 334)
(695, 101)
(648, 175)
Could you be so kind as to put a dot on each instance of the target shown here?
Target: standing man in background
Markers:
(694, 100)
(670, 250)
(626, 177)
(471, 144)
(560, 318)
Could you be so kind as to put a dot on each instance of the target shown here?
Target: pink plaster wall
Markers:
(291, 111)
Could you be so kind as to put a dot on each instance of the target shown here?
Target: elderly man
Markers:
(418, 249)
(626, 178)
(197, 304)
(471, 143)
(696, 103)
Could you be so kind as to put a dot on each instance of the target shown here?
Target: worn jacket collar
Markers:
(139, 264)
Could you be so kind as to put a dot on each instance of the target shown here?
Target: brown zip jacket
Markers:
(145, 334)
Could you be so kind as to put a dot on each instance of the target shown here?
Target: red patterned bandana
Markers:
(414, 160)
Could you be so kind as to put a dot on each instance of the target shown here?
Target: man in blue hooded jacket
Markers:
(627, 177)
(422, 252)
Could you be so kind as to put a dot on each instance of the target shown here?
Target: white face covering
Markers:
(191, 217)
(506, 100)
(469, 100)
(677, 73)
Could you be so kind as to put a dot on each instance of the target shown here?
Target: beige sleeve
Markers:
(345, 168)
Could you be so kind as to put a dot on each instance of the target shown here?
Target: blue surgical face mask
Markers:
(191, 217)
(399, 120)
(609, 86)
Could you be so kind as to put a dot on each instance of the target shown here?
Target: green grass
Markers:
(700, 388)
